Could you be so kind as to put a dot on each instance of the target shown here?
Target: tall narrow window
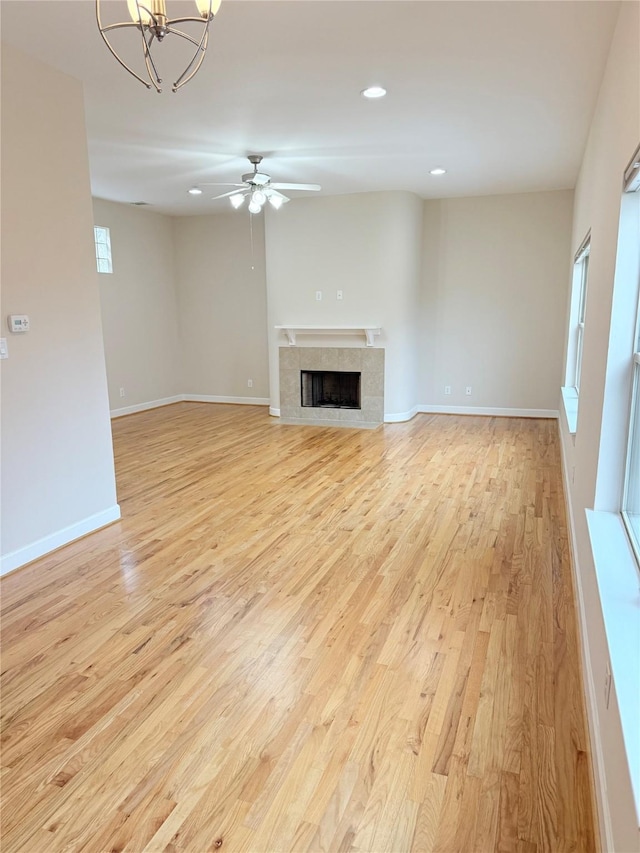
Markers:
(581, 274)
(103, 249)
(575, 338)
(631, 493)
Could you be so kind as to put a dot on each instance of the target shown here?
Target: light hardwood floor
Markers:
(303, 638)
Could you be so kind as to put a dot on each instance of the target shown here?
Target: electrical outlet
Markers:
(338, 295)
(122, 393)
(447, 389)
(249, 383)
(318, 295)
(467, 390)
(607, 684)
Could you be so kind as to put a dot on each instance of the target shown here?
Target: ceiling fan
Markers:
(258, 188)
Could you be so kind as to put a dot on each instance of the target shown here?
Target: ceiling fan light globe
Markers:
(258, 197)
(253, 207)
(276, 201)
(236, 201)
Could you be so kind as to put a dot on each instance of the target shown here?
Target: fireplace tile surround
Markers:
(369, 361)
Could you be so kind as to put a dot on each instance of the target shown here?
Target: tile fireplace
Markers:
(342, 385)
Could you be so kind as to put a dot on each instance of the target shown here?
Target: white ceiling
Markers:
(499, 93)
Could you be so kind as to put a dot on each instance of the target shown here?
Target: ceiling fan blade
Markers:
(226, 195)
(226, 184)
(311, 187)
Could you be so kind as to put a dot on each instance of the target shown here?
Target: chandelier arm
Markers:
(188, 20)
(139, 6)
(197, 58)
(111, 49)
(119, 26)
(198, 43)
(148, 60)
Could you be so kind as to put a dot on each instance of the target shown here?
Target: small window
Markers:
(103, 249)
(575, 339)
(579, 304)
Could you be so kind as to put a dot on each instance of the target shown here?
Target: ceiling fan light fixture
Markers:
(150, 19)
(438, 171)
(254, 207)
(258, 197)
(236, 200)
(276, 201)
(373, 92)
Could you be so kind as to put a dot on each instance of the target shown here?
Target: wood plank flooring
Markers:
(303, 639)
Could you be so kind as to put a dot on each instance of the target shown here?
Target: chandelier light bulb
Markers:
(258, 197)
(236, 200)
(139, 13)
(254, 207)
(205, 7)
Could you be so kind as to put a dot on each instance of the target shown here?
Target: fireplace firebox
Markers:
(330, 389)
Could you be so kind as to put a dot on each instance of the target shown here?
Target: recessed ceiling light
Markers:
(195, 191)
(374, 92)
(438, 171)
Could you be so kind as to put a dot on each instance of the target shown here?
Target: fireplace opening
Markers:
(330, 389)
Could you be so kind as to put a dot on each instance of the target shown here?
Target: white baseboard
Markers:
(238, 401)
(593, 720)
(49, 543)
(142, 407)
(487, 410)
(189, 398)
(400, 417)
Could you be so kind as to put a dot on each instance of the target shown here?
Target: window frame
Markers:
(632, 185)
(105, 257)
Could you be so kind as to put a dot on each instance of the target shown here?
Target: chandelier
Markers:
(150, 18)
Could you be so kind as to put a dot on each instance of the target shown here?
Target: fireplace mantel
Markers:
(368, 331)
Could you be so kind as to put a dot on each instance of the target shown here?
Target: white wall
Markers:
(494, 296)
(368, 246)
(614, 135)
(139, 306)
(57, 461)
(222, 305)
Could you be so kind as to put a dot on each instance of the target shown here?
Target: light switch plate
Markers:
(4, 350)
